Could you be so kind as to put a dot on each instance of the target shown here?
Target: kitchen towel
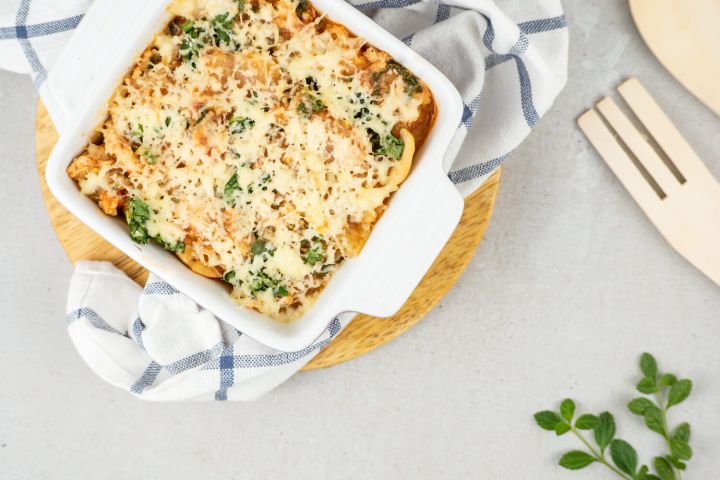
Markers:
(508, 59)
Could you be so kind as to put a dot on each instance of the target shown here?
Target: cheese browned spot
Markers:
(261, 142)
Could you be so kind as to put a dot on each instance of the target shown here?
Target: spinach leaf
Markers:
(390, 146)
(149, 156)
(412, 84)
(240, 124)
(229, 277)
(193, 42)
(311, 104)
(261, 281)
(314, 251)
(171, 247)
(138, 213)
(260, 247)
(222, 28)
(231, 187)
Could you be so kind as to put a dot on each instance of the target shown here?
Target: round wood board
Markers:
(364, 333)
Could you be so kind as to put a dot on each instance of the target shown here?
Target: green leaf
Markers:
(654, 420)
(675, 462)
(280, 291)
(223, 28)
(586, 422)
(171, 247)
(310, 104)
(313, 256)
(567, 409)
(240, 124)
(229, 276)
(576, 460)
(679, 392)
(639, 405)
(412, 84)
(261, 281)
(644, 474)
(547, 420)
(231, 187)
(624, 456)
(138, 213)
(187, 26)
(389, 146)
(314, 250)
(680, 449)
(604, 431)
(682, 432)
(664, 469)
(258, 248)
(193, 41)
(648, 365)
(647, 385)
(562, 428)
(667, 379)
(149, 156)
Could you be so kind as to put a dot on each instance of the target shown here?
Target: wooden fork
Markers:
(662, 173)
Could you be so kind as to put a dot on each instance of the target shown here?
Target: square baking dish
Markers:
(420, 218)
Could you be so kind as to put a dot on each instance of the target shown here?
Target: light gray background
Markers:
(570, 285)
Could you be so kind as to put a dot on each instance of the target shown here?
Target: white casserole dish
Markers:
(418, 222)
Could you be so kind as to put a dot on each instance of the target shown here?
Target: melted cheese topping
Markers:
(261, 142)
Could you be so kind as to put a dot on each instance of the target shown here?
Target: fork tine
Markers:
(619, 162)
(663, 130)
(638, 145)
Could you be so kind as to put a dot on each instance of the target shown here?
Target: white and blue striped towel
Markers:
(508, 59)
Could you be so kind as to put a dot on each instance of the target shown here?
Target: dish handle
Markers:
(396, 267)
(91, 49)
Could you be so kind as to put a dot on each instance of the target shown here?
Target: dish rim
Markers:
(432, 205)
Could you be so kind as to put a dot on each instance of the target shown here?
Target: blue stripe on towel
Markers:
(40, 29)
(137, 329)
(443, 13)
(195, 360)
(543, 25)
(280, 358)
(93, 318)
(227, 373)
(147, 378)
(159, 288)
(526, 95)
(475, 171)
(28, 50)
(386, 4)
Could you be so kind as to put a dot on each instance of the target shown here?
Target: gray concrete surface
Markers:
(571, 284)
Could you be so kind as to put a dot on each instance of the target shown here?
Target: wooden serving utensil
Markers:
(662, 173)
(684, 36)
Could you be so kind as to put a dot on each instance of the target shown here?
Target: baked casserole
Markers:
(260, 141)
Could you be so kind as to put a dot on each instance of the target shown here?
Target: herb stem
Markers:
(666, 432)
(598, 456)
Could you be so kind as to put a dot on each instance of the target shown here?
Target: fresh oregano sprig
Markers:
(667, 390)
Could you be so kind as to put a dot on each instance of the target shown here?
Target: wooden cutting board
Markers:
(364, 333)
(684, 36)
